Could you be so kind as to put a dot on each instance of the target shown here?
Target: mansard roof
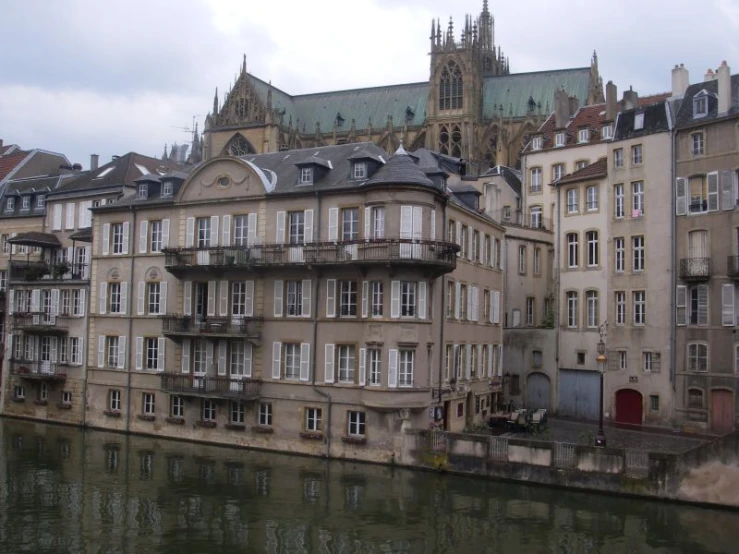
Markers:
(595, 170)
(656, 120)
(684, 116)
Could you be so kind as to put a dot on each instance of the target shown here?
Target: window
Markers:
(111, 348)
(238, 357)
(637, 199)
(374, 357)
(356, 424)
(591, 300)
(636, 154)
(581, 358)
(265, 414)
(151, 345)
(114, 400)
(535, 217)
(537, 261)
(606, 132)
(241, 230)
(75, 350)
(558, 170)
(700, 106)
(294, 297)
(462, 302)
(10, 204)
(306, 175)
(697, 147)
(78, 307)
(114, 298)
(408, 298)
(348, 298)
(450, 87)
(292, 360)
(573, 248)
(208, 410)
(6, 244)
(25, 203)
(583, 135)
(463, 243)
(153, 298)
(559, 139)
(697, 357)
(237, 413)
(620, 252)
(40, 201)
(623, 359)
(536, 180)
(360, 170)
(591, 198)
(639, 121)
(147, 404)
(313, 421)
(19, 392)
(695, 398)
(43, 392)
(143, 191)
(637, 253)
(654, 402)
(593, 254)
(66, 398)
(405, 369)
(176, 407)
(522, 260)
(155, 237)
(640, 307)
(618, 157)
(167, 189)
(117, 231)
(573, 201)
(620, 308)
(4, 285)
(476, 246)
(349, 224)
(536, 143)
(378, 222)
(376, 290)
(296, 222)
(572, 309)
(698, 297)
(530, 311)
(506, 217)
(346, 355)
(650, 362)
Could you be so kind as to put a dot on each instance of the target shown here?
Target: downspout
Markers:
(88, 294)
(442, 310)
(673, 259)
(131, 245)
(556, 302)
(316, 292)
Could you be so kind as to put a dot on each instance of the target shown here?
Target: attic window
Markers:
(639, 121)
(700, 106)
(306, 175)
(536, 143)
(143, 191)
(167, 188)
(26, 203)
(360, 170)
(40, 201)
(583, 135)
(104, 172)
(10, 204)
(559, 139)
(606, 132)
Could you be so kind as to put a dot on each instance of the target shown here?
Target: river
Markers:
(65, 490)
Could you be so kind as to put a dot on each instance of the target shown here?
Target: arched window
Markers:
(450, 143)
(238, 146)
(450, 87)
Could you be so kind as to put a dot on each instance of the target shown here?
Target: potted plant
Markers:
(61, 269)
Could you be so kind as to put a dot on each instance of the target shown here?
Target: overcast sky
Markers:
(113, 76)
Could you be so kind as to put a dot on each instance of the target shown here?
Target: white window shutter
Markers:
(222, 353)
(681, 305)
(143, 236)
(55, 348)
(681, 196)
(36, 300)
(417, 231)
(226, 231)
(57, 219)
(367, 223)
(308, 226)
(491, 297)
(165, 233)
(248, 357)
(333, 224)
(13, 249)
(307, 289)
(161, 352)
(470, 305)
(126, 233)
(223, 298)
(209, 347)
(392, 368)
(141, 300)
(187, 298)
(213, 238)
(163, 298)
(251, 229)
(468, 361)
(406, 222)
(211, 298)
(727, 190)
(305, 362)
(362, 366)
(496, 306)
(103, 298)
(249, 299)
(470, 253)
(491, 254)
(82, 215)
(422, 299)
(727, 305)
(458, 236)
(101, 350)
(69, 223)
(433, 224)
(190, 232)
(330, 297)
(280, 230)
(82, 302)
(395, 299)
(106, 239)
(457, 300)
(329, 363)
(702, 304)
(185, 355)
(139, 353)
(490, 360)
(365, 299)
(124, 298)
(713, 191)
(11, 301)
(122, 352)
(278, 293)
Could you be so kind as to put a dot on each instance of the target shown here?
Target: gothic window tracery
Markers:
(450, 87)
(242, 108)
(450, 143)
(238, 146)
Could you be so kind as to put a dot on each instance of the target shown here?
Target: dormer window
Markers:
(700, 106)
(167, 189)
(583, 135)
(40, 201)
(606, 132)
(26, 203)
(360, 170)
(639, 121)
(559, 139)
(536, 144)
(306, 175)
(10, 204)
(143, 191)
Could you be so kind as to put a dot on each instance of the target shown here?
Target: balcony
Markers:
(435, 255)
(178, 326)
(695, 269)
(732, 267)
(40, 323)
(38, 370)
(33, 271)
(519, 219)
(210, 387)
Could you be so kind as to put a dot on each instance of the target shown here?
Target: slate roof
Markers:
(34, 187)
(400, 169)
(684, 116)
(509, 175)
(35, 238)
(595, 170)
(656, 120)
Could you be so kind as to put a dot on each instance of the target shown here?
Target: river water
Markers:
(64, 490)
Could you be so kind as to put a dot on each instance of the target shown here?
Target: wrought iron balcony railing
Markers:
(187, 325)
(207, 386)
(695, 269)
(31, 271)
(39, 370)
(40, 323)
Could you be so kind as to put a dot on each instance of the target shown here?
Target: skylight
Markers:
(142, 169)
(104, 172)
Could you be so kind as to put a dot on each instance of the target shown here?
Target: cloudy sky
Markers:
(108, 77)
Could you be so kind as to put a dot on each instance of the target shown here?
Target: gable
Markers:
(222, 178)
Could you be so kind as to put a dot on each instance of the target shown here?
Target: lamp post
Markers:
(600, 438)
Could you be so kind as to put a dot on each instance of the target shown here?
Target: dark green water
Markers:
(62, 490)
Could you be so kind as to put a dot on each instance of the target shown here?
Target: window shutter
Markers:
(681, 303)
(457, 299)
(417, 231)
(223, 298)
(139, 352)
(190, 232)
(165, 233)
(496, 306)
(249, 299)
(82, 215)
(702, 304)
(392, 368)
(187, 298)
(422, 300)
(126, 230)
(280, 230)
(395, 299)
(106, 239)
(163, 298)
(143, 235)
(222, 352)
(211, 298)
(209, 347)
(141, 298)
(185, 355)
(365, 299)
(213, 238)
(500, 360)
(57, 219)
(124, 298)
(103, 298)
(308, 226)
(433, 224)
(713, 191)
(122, 352)
(82, 302)
(475, 305)
(458, 237)
(333, 224)
(329, 363)
(11, 301)
(251, 229)
(727, 190)
(727, 305)
(226, 240)
(13, 249)
(362, 366)
(305, 361)
(406, 222)
(367, 223)
(468, 361)
(69, 223)
(491, 255)
(53, 343)
(306, 286)
(490, 359)
(470, 305)
(248, 357)
(681, 196)
(278, 292)
(491, 299)
(161, 352)
(35, 304)
(470, 253)
(331, 298)
(101, 350)
(479, 370)
(55, 301)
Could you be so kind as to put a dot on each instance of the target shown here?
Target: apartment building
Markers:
(315, 301)
(707, 245)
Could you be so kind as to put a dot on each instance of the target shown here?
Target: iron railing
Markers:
(201, 385)
(178, 324)
(695, 268)
(31, 271)
(35, 369)
(732, 266)
(40, 322)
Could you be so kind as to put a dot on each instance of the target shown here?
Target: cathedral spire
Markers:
(164, 156)
(243, 65)
(215, 103)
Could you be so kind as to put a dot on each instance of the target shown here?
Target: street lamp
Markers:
(600, 438)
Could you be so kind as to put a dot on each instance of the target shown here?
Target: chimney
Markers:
(1, 145)
(611, 101)
(723, 74)
(561, 108)
(93, 162)
(680, 81)
(574, 104)
(709, 76)
(631, 99)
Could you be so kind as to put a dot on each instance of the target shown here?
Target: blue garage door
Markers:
(538, 392)
(579, 394)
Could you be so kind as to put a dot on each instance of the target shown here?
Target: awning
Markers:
(36, 238)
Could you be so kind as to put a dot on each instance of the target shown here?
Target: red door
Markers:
(722, 412)
(629, 407)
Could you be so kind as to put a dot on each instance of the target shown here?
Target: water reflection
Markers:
(63, 490)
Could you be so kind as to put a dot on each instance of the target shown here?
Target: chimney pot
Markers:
(93, 162)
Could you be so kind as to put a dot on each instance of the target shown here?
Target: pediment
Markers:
(224, 177)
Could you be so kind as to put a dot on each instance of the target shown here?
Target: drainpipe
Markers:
(673, 260)
(442, 312)
(129, 310)
(556, 302)
(314, 354)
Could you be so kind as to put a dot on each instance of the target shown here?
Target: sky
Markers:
(108, 77)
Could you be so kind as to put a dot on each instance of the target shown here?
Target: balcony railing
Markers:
(30, 271)
(40, 322)
(695, 269)
(429, 253)
(732, 267)
(206, 386)
(531, 221)
(186, 325)
(38, 370)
